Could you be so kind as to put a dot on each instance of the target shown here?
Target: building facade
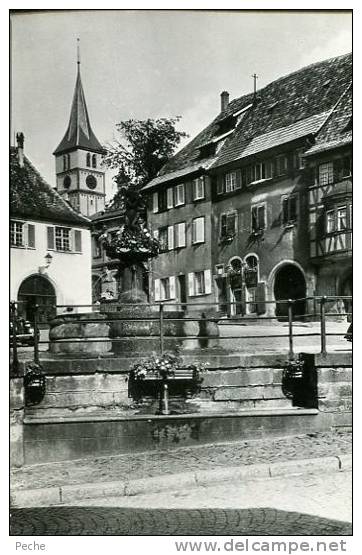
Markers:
(50, 247)
(260, 164)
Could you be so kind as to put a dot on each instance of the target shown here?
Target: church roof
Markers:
(32, 198)
(79, 133)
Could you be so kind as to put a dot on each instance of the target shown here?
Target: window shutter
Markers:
(156, 234)
(170, 197)
(191, 284)
(223, 226)
(207, 278)
(181, 233)
(285, 217)
(50, 238)
(238, 179)
(157, 289)
(262, 223)
(230, 223)
(201, 230)
(182, 193)
(77, 240)
(155, 202)
(220, 184)
(172, 281)
(170, 241)
(31, 236)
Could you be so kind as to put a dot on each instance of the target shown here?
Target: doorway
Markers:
(289, 283)
(37, 290)
(182, 291)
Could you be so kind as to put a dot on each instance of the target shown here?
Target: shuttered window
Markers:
(199, 283)
(31, 236)
(77, 240)
(51, 238)
(289, 210)
(179, 194)
(199, 188)
(180, 235)
(169, 198)
(155, 202)
(228, 225)
(198, 230)
(170, 241)
(258, 217)
(17, 234)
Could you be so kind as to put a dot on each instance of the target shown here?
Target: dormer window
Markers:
(207, 150)
(88, 160)
(94, 161)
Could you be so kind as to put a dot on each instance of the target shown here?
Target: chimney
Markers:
(20, 148)
(224, 100)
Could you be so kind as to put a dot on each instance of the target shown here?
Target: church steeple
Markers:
(80, 176)
(79, 133)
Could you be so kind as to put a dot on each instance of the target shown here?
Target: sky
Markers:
(149, 63)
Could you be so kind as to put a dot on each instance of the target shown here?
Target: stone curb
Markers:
(69, 494)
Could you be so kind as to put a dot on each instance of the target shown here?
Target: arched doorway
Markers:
(236, 283)
(289, 283)
(251, 273)
(37, 290)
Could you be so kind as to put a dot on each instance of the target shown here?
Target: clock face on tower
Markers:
(91, 182)
(67, 182)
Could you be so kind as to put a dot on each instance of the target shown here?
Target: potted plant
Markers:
(163, 369)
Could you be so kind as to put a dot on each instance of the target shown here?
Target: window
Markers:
(199, 283)
(325, 172)
(62, 239)
(199, 188)
(342, 218)
(269, 169)
(162, 200)
(88, 160)
(180, 235)
(289, 210)
(330, 221)
(299, 162)
(228, 225)
(259, 171)
(179, 194)
(96, 248)
(17, 234)
(169, 197)
(258, 217)
(165, 288)
(64, 162)
(198, 230)
(230, 182)
(342, 167)
(163, 238)
(281, 165)
(94, 161)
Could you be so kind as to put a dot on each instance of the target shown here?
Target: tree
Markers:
(144, 147)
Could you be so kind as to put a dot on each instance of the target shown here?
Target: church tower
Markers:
(80, 177)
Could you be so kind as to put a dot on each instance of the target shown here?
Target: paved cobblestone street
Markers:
(308, 504)
(97, 521)
(142, 465)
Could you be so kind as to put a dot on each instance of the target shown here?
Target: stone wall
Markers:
(87, 411)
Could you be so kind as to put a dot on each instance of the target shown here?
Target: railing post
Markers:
(15, 329)
(323, 325)
(161, 330)
(36, 333)
(290, 328)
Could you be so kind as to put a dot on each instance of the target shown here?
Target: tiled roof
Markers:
(79, 133)
(192, 168)
(337, 131)
(294, 104)
(33, 198)
(286, 134)
(298, 96)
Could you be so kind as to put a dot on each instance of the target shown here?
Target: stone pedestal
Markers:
(86, 333)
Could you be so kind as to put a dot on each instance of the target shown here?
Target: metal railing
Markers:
(163, 315)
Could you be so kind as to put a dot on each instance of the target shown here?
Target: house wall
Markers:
(69, 272)
(193, 257)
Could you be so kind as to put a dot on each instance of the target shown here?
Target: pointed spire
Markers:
(79, 133)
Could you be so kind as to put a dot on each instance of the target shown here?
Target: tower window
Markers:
(88, 160)
(67, 182)
(91, 182)
(94, 161)
(64, 162)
